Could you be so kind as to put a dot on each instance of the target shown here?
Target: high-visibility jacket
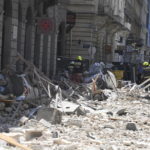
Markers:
(146, 72)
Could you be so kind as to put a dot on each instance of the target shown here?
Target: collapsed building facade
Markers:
(68, 115)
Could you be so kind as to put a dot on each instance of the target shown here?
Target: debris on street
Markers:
(63, 115)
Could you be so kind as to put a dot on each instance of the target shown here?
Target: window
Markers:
(48, 3)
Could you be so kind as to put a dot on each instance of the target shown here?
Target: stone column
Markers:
(48, 55)
(33, 42)
(1, 28)
(13, 51)
(45, 52)
(52, 53)
(41, 52)
(37, 49)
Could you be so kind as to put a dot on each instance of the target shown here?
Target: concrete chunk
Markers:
(45, 123)
(52, 115)
(122, 112)
(29, 135)
(2, 106)
(68, 107)
(23, 120)
(131, 126)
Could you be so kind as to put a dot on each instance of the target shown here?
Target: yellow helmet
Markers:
(145, 63)
(79, 58)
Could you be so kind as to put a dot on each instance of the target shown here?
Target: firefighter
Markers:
(77, 73)
(145, 64)
(146, 70)
(139, 73)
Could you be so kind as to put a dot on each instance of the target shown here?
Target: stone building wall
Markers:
(19, 32)
(97, 21)
(82, 35)
(136, 13)
(1, 26)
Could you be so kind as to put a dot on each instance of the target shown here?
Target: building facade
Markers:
(136, 13)
(108, 25)
(98, 30)
(97, 22)
(83, 34)
(32, 28)
(147, 53)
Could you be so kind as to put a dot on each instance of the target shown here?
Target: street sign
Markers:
(45, 25)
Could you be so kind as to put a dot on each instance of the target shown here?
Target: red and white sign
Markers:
(46, 25)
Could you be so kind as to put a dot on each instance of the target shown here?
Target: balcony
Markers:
(111, 8)
(65, 2)
(105, 8)
(82, 2)
(83, 6)
(140, 2)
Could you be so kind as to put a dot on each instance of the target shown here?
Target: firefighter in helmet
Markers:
(146, 70)
(77, 70)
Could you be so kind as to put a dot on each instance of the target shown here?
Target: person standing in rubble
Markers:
(139, 73)
(77, 70)
(146, 70)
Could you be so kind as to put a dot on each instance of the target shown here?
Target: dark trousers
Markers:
(139, 78)
(77, 77)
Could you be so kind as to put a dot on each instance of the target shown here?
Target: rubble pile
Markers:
(120, 122)
(70, 116)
